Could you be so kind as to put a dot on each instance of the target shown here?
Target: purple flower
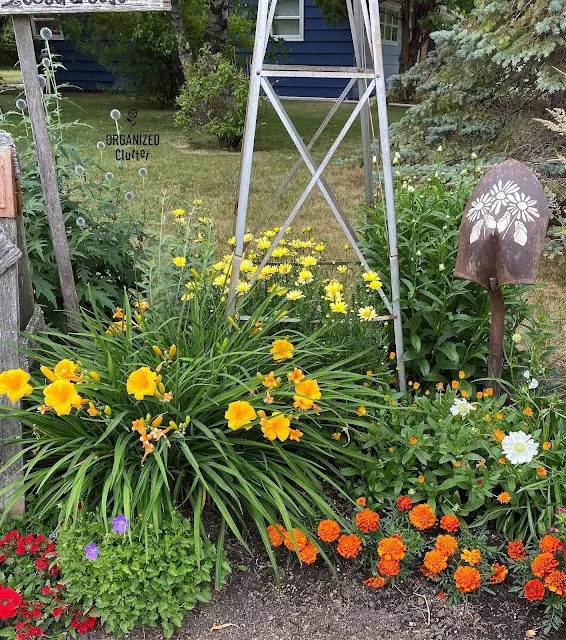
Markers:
(121, 525)
(91, 551)
(52, 536)
(561, 510)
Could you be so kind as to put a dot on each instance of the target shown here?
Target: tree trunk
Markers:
(406, 29)
(183, 44)
(217, 27)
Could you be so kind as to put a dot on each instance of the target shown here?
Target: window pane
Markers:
(52, 23)
(287, 27)
(288, 8)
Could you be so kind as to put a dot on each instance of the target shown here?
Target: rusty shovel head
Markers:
(503, 227)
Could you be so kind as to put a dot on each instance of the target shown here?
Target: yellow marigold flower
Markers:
(542, 472)
(276, 427)
(62, 396)
(498, 435)
(142, 382)
(14, 383)
(179, 261)
(307, 392)
(339, 307)
(472, 557)
(179, 213)
(281, 350)
(239, 414)
(296, 376)
(362, 411)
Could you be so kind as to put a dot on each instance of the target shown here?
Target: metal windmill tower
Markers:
(370, 79)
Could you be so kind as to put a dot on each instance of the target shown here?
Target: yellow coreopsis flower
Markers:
(220, 280)
(270, 233)
(14, 383)
(333, 287)
(179, 213)
(281, 252)
(374, 285)
(247, 266)
(276, 427)
(305, 277)
(263, 244)
(142, 382)
(285, 269)
(342, 268)
(370, 276)
(281, 350)
(339, 307)
(308, 261)
(239, 414)
(307, 392)
(248, 237)
(295, 294)
(179, 261)
(62, 396)
(187, 297)
(366, 314)
(320, 247)
(242, 287)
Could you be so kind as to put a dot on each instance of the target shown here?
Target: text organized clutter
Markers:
(38, 7)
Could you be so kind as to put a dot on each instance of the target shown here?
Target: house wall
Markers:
(323, 45)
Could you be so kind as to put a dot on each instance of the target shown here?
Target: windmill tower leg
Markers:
(260, 44)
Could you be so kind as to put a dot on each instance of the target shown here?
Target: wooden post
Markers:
(28, 65)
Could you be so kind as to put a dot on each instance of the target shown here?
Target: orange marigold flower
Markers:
(413, 440)
(308, 553)
(449, 523)
(392, 548)
(376, 582)
(516, 550)
(441, 595)
(479, 395)
(504, 497)
(467, 579)
(361, 501)
(461, 375)
(349, 545)
(542, 472)
(367, 520)
(502, 460)
(435, 562)
(556, 582)
(500, 572)
(421, 479)
(465, 394)
(547, 446)
(455, 384)
(543, 564)
(328, 530)
(472, 557)
(488, 391)
(534, 590)
(404, 503)
(447, 545)
(300, 537)
(549, 544)
(389, 567)
(499, 415)
(276, 533)
(422, 517)
(528, 412)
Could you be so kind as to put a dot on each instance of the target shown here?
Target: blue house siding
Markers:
(324, 45)
(81, 70)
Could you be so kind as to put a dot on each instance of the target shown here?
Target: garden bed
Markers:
(311, 605)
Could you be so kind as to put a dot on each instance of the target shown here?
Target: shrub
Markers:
(133, 581)
(213, 100)
(445, 320)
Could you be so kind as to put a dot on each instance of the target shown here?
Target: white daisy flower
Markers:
(519, 448)
(461, 407)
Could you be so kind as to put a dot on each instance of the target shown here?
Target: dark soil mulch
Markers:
(311, 605)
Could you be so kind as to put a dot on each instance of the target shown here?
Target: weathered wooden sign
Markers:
(501, 240)
(39, 7)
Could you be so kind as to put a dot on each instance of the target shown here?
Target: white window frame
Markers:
(384, 14)
(36, 30)
(300, 37)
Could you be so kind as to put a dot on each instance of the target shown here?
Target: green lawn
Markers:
(188, 169)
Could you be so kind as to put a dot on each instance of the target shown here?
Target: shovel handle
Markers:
(497, 329)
